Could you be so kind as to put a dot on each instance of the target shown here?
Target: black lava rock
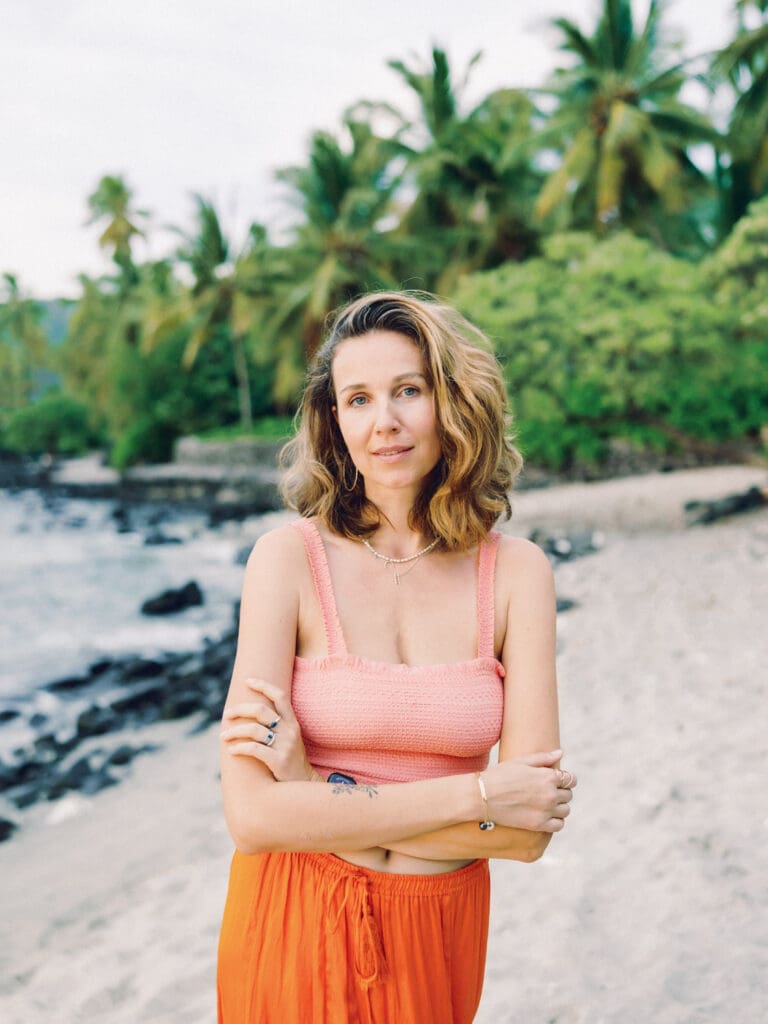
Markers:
(68, 683)
(95, 721)
(157, 537)
(100, 667)
(142, 668)
(7, 828)
(172, 601)
(700, 512)
(125, 753)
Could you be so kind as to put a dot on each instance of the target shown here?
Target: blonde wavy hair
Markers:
(469, 487)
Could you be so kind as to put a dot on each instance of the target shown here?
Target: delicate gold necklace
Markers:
(394, 562)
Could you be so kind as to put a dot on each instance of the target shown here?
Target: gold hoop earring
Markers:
(353, 486)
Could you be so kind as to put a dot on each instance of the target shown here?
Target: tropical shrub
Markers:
(614, 339)
(55, 423)
(156, 401)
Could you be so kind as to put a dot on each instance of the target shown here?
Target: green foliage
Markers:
(155, 400)
(623, 132)
(614, 339)
(112, 201)
(147, 439)
(743, 65)
(56, 423)
(344, 191)
(23, 346)
(738, 276)
(741, 264)
(605, 340)
(472, 175)
(267, 428)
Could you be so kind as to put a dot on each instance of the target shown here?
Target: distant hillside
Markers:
(56, 318)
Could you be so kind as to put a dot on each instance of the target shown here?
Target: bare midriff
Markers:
(378, 859)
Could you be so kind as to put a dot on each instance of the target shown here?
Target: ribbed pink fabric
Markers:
(381, 722)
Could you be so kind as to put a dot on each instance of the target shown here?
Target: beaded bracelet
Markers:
(486, 825)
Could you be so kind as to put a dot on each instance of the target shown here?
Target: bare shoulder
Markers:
(524, 572)
(278, 554)
(519, 556)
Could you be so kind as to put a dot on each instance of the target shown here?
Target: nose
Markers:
(386, 421)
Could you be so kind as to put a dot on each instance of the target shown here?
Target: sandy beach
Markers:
(652, 906)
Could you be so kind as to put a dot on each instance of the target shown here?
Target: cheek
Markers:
(429, 430)
(349, 428)
(429, 423)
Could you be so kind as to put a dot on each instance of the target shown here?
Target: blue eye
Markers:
(409, 390)
(358, 400)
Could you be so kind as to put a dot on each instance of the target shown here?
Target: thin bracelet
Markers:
(486, 824)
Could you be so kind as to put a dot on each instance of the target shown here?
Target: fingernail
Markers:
(225, 734)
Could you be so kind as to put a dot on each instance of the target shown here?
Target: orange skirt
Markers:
(309, 939)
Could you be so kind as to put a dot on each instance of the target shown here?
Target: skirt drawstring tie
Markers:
(370, 960)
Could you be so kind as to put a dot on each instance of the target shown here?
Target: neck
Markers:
(394, 536)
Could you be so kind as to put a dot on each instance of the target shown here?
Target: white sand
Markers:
(652, 906)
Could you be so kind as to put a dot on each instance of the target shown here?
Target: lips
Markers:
(393, 450)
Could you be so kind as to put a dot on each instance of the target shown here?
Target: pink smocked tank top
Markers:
(381, 722)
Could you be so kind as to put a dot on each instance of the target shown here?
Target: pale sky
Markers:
(182, 96)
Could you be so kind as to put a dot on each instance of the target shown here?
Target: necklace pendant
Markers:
(397, 577)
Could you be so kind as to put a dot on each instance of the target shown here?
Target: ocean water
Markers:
(71, 587)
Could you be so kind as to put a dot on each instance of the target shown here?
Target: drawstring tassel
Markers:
(370, 960)
(370, 945)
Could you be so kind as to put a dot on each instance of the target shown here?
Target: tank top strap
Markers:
(486, 615)
(321, 575)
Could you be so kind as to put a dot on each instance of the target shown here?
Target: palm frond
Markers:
(576, 42)
(745, 49)
(443, 100)
(578, 163)
(616, 29)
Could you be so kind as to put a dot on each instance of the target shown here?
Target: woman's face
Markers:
(385, 411)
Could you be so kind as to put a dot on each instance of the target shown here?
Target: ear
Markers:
(335, 412)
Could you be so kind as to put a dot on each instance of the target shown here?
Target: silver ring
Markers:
(270, 739)
(273, 725)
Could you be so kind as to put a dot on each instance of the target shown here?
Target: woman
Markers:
(387, 641)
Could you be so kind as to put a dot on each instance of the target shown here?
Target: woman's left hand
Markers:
(266, 729)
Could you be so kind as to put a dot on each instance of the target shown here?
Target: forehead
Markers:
(375, 355)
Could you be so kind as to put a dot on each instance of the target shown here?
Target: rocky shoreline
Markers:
(81, 742)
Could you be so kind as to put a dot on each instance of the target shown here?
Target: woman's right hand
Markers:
(266, 729)
(529, 792)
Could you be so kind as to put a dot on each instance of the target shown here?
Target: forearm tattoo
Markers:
(343, 787)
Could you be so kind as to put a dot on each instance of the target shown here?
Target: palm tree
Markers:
(220, 298)
(743, 175)
(471, 174)
(622, 130)
(112, 201)
(86, 356)
(342, 246)
(23, 345)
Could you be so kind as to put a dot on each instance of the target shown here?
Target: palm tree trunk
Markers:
(243, 383)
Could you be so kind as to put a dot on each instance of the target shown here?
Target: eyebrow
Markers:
(395, 380)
